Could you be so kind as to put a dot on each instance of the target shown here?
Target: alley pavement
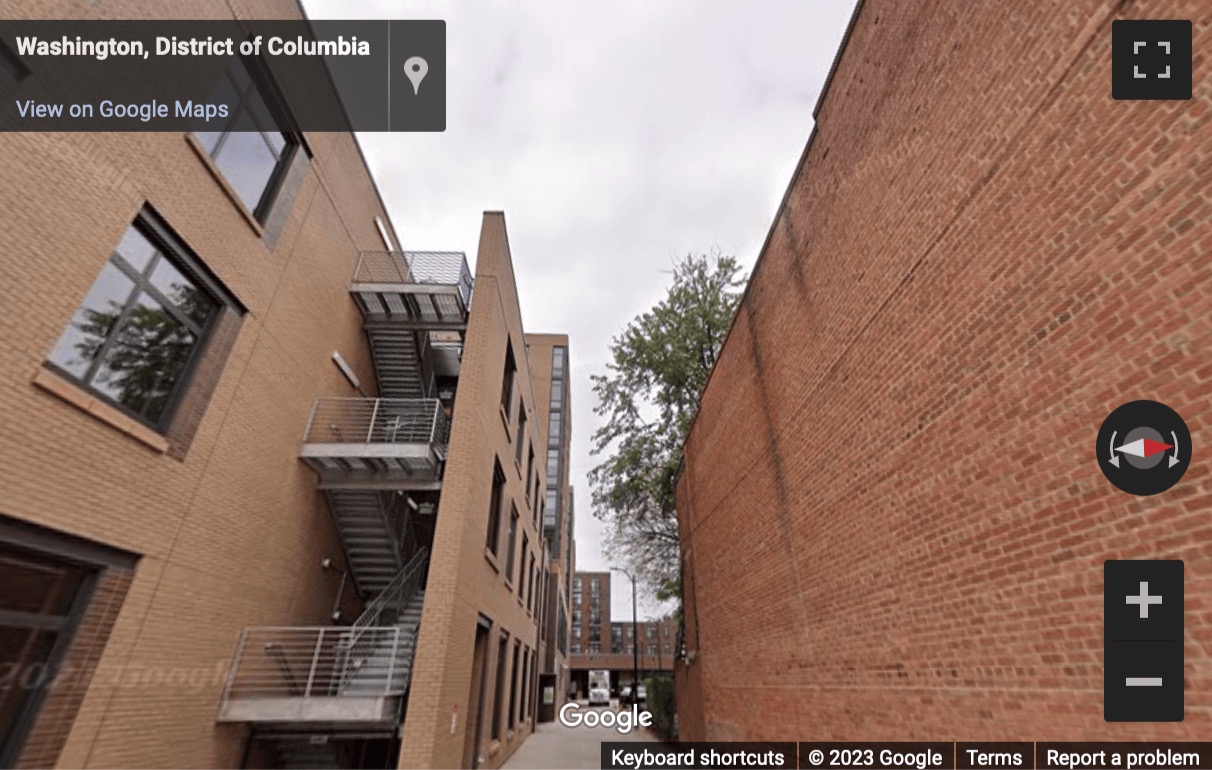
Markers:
(556, 747)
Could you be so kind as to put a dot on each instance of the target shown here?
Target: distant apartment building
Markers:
(550, 367)
(893, 522)
(600, 644)
(272, 492)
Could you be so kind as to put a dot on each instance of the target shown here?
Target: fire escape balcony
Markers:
(338, 678)
(377, 440)
(333, 676)
(415, 290)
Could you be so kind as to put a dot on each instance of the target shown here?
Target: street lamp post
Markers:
(635, 643)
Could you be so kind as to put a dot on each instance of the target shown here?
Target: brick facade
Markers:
(466, 581)
(892, 518)
(226, 520)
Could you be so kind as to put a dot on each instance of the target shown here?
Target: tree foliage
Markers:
(649, 397)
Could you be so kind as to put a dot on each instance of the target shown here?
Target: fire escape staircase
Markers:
(366, 452)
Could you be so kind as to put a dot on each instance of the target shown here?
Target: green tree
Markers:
(660, 363)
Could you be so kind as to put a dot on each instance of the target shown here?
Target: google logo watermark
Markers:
(623, 721)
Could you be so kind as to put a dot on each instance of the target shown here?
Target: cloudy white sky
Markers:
(615, 136)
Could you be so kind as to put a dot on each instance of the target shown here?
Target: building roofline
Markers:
(374, 183)
(778, 214)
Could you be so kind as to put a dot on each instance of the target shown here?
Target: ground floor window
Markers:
(40, 600)
(47, 586)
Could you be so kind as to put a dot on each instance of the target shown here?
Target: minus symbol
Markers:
(1144, 681)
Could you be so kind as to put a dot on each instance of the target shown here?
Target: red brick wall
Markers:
(891, 496)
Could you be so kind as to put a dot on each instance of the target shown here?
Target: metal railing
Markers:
(442, 267)
(447, 268)
(391, 602)
(316, 662)
(382, 267)
(377, 421)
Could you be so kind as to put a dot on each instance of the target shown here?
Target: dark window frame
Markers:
(511, 557)
(514, 676)
(530, 473)
(171, 248)
(262, 80)
(495, 503)
(508, 382)
(499, 689)
(522, 563)
(70, 551)
(521, 442)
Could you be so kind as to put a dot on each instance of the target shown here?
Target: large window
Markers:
(493, 540)
(557, 394)
(553, 433)
(141, 324)
(511, 373)
(251, 148)
(553, 467)
(41, 599)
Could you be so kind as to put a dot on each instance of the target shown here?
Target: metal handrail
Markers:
(272, 661)
(382, 267)
(438, 268)
(396, 595)
(353, 420)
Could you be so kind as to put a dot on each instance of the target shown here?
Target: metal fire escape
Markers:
(375, 457)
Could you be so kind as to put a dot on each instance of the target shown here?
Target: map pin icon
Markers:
(415, 68)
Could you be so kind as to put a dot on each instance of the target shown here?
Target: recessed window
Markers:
(553, 433)
(531, 478)
(512, 543)
(39, 605)
(522, 564)
(251, 148)
(493, 540)
(511, 373)
(140, 326)
(553, 466)
(521, 435)
(534, 573)
(498, 696)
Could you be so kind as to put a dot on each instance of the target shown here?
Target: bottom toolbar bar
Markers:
(927, 755)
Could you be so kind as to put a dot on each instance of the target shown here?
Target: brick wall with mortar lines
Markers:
(233, 532)
(463, 582)
(892, 475)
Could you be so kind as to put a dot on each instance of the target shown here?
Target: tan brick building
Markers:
(893, 520)
(551, 369)
(268, 495)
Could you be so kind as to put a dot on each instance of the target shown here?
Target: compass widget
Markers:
(1144, 448)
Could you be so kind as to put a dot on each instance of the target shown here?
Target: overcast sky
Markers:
(615, 136)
